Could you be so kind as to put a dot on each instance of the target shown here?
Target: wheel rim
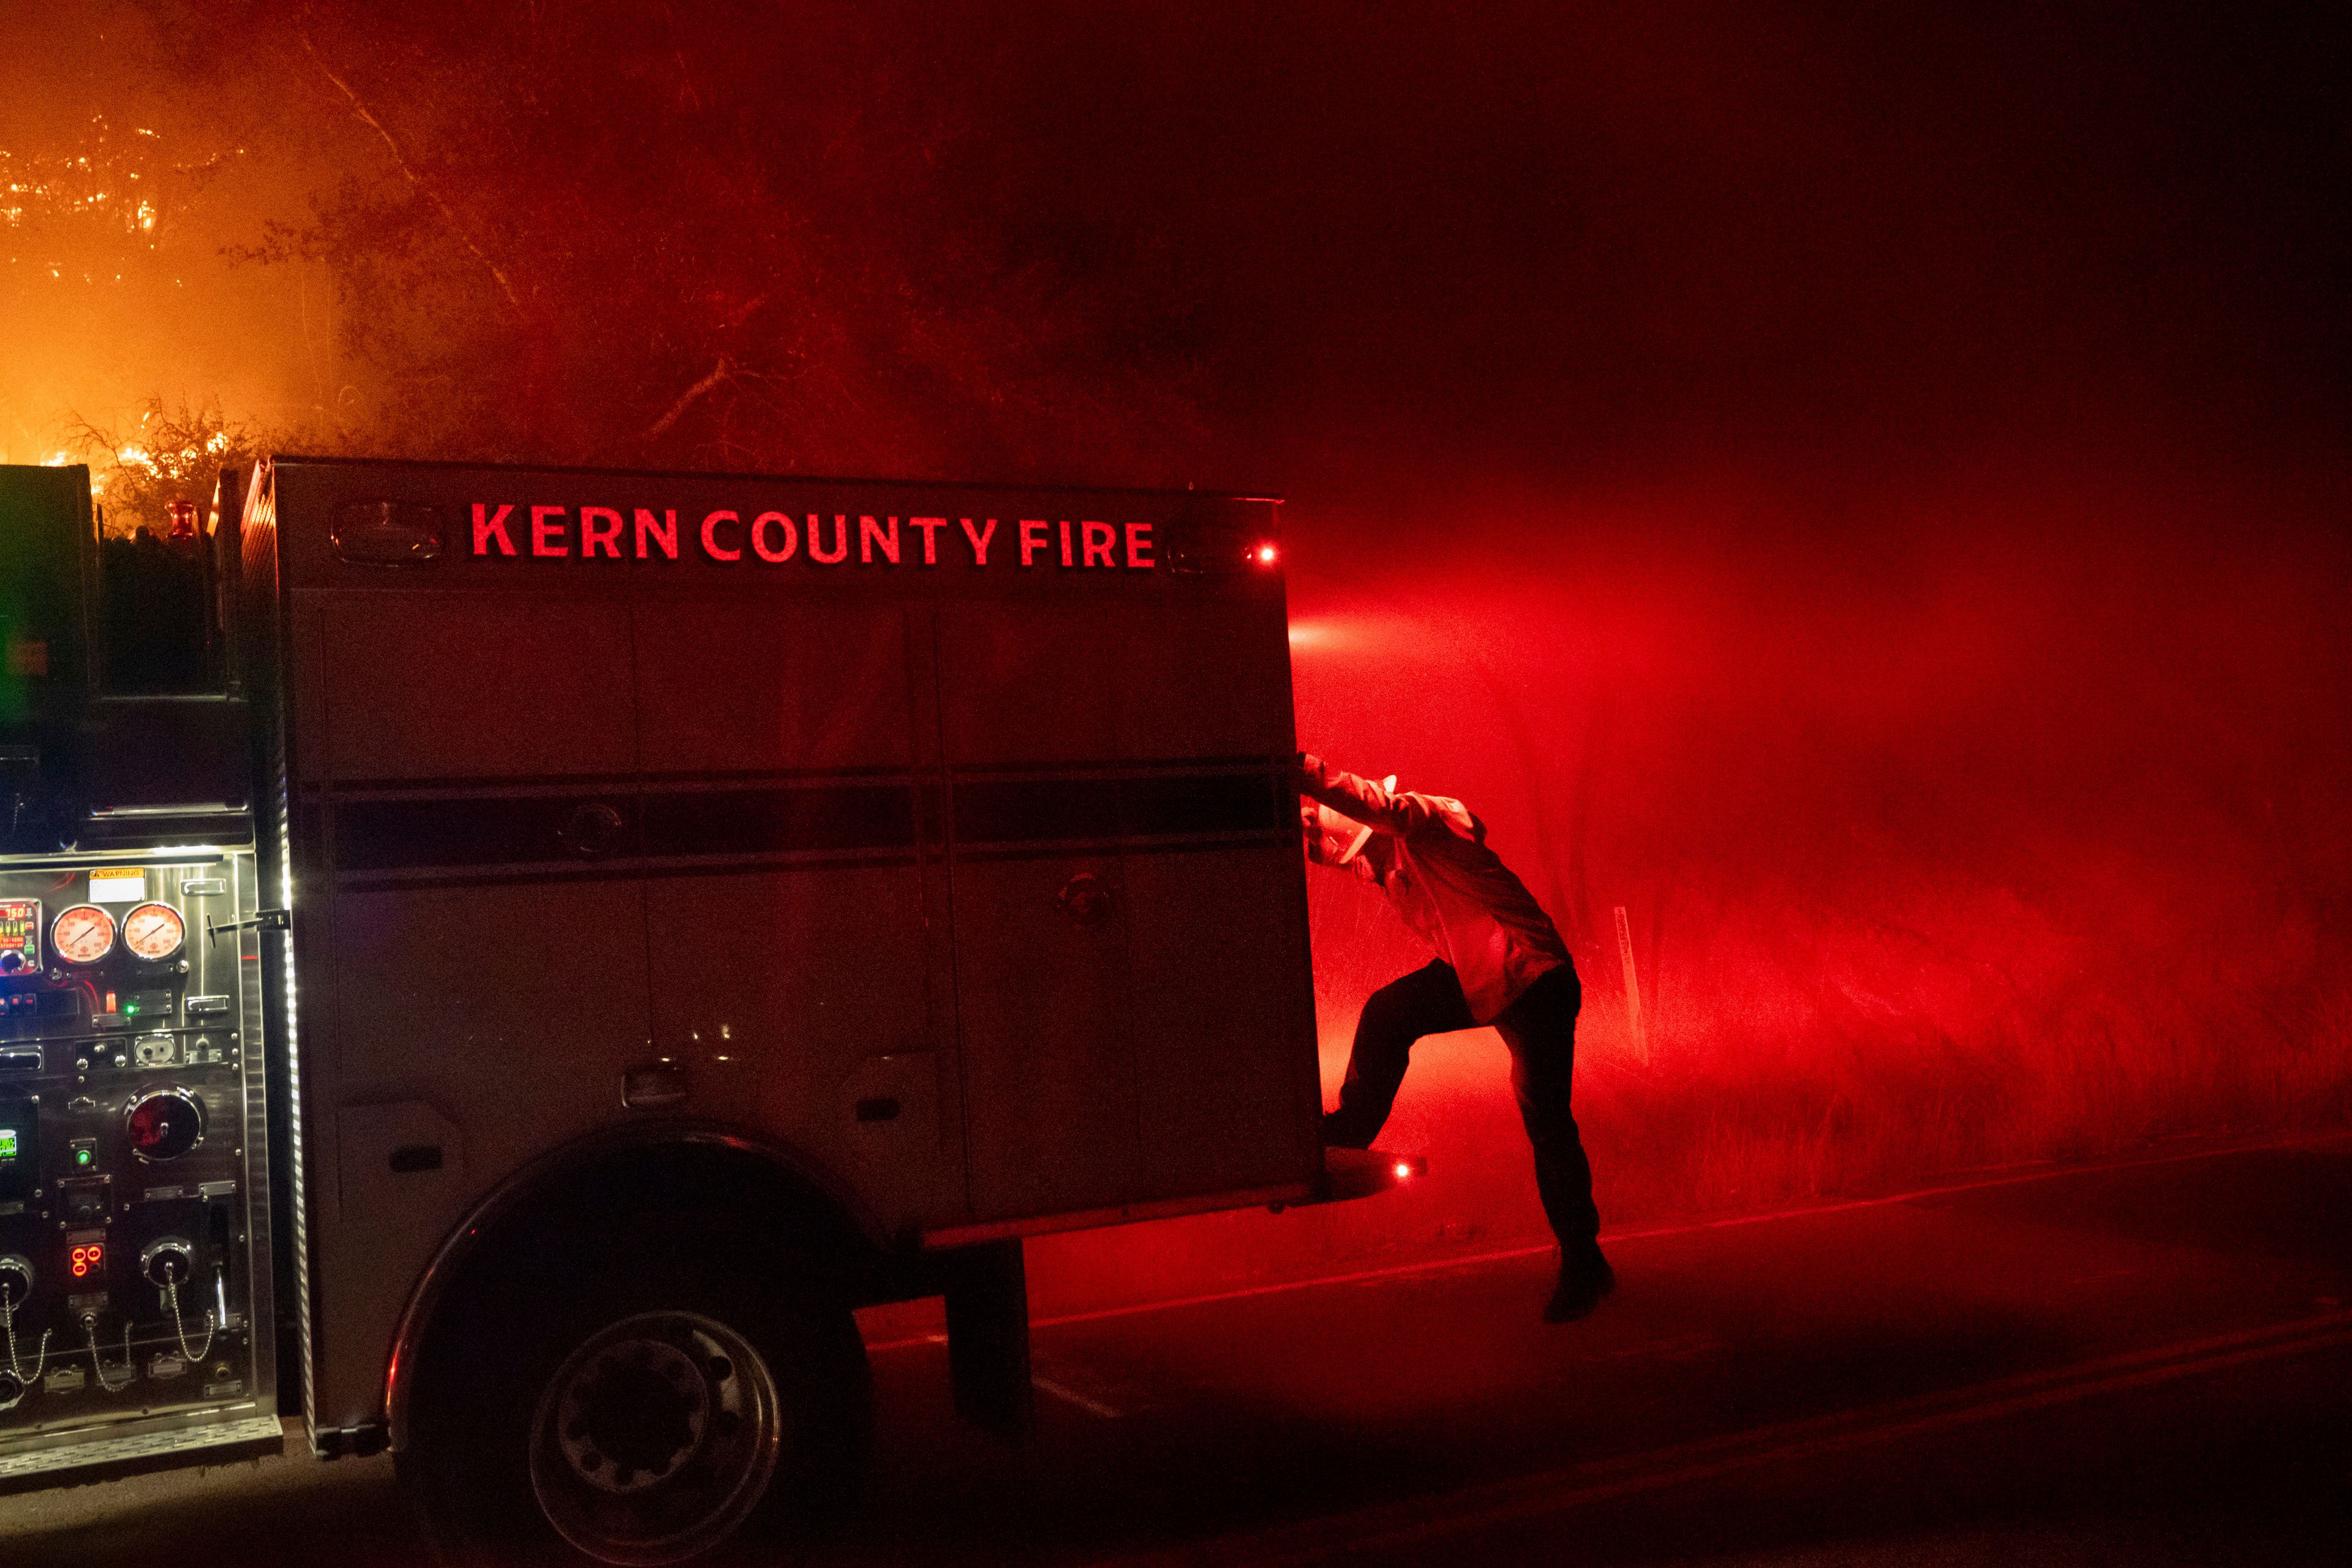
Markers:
(655, 1438)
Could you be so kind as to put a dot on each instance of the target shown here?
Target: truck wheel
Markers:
(684, 1405)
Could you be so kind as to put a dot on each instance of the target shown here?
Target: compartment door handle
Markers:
(659, 1084)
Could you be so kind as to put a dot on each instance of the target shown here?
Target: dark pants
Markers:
(1540, 1028)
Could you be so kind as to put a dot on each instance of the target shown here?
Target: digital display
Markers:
(8, 1142)
(20, 934)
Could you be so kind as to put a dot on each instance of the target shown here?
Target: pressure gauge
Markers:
(83, 934)
(154, 931)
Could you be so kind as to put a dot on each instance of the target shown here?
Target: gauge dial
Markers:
(154, 931)
(83, 934)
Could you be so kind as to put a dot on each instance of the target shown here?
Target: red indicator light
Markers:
(1266, 555)
(85, 1258)
(1404, 1170)
(110, 1001)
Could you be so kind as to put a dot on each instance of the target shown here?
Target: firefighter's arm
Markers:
(1364, 800)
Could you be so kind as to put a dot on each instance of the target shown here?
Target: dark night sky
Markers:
(1546, 236)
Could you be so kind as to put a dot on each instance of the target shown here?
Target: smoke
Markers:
(2018, 836)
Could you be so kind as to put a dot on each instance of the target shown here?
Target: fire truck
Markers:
(504, 961)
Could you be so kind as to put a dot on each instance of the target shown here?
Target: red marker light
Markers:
(1404, 1170)
(1266, 555)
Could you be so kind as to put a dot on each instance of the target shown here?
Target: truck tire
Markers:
(678, 1401)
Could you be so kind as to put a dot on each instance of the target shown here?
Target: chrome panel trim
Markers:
(177, 1444)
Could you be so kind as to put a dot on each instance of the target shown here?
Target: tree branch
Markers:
(455, 224)
(719, 372)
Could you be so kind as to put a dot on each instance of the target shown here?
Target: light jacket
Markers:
(1429, 854)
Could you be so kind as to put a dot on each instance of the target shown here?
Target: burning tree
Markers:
(173, 453)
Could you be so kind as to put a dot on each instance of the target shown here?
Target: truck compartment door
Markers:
(486, 832)
(1049, 1070)
(1129, 912)
(787, 809)
(1224, 1055)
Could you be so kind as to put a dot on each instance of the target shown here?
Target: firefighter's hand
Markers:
(1307, 771)
(1312, 830)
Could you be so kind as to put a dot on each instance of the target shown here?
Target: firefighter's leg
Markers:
(1427, 1002)
(988, 1338)
(1540, 1029)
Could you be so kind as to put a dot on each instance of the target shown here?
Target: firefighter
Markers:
(1500, 961)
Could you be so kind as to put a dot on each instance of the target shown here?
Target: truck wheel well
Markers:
(749, 1204)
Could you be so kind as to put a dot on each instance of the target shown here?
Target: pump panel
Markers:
(135, 1286)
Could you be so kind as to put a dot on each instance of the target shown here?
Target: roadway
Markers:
(2145, 1363)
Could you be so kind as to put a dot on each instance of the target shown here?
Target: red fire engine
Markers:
(518, 955)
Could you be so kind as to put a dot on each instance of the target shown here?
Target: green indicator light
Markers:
(83, 1157)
